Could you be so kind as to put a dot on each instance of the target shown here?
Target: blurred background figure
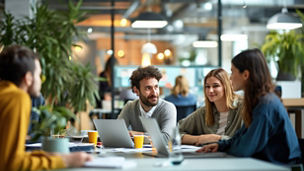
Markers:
(127, 94)
(105, 84)
(104, 88)
(36, 103)
(184, 101)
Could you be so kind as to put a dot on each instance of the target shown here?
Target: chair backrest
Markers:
(184, 111)
(301, 143)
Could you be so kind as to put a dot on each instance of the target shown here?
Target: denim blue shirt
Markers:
(269, 137)
(36, 102)
(180, 100)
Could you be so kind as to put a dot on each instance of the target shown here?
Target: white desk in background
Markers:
(295, 105)
(211, 164)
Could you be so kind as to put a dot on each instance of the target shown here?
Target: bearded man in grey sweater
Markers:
(144, 82)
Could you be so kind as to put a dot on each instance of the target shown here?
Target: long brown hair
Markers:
(181, 86)
(230, 96)
(259, 82)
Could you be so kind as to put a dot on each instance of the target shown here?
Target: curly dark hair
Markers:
(144, 72)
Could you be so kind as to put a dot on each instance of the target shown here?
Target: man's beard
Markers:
(146, 102)
(32, 91)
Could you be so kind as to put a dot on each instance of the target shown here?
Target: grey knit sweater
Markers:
(194, 124)
(164, 113)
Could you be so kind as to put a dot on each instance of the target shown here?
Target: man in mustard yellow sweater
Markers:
(20, 77)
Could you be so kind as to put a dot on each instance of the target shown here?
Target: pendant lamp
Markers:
(283, 21)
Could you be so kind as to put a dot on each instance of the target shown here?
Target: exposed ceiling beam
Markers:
(133, 7)
(189, 30)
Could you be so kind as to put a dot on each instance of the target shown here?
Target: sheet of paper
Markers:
(106, 162)
(80, 144)
(131, 150)
(70, 144)
(33, 145)
(189, 148)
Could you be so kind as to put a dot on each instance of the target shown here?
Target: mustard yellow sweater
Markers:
(15, 106)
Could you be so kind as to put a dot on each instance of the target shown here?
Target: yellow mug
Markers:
(93, 137)
(138, 141)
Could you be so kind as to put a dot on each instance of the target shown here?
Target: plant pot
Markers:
(284, 76)
(57, 145)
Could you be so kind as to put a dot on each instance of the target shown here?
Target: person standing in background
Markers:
(104, 87)
(105, 84)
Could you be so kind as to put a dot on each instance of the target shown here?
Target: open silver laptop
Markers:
(113, 133)
(151, 126)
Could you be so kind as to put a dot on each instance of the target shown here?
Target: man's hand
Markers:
(209, 148)
(76, 159)
(207, 138)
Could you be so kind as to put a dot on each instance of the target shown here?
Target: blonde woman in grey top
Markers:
(219, 118)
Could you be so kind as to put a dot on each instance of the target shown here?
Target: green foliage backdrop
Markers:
(51, 34)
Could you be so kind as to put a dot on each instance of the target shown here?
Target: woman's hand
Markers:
(207, 138)
(209, 148)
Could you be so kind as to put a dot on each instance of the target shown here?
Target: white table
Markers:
(211, 164)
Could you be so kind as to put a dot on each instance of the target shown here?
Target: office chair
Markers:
(184, 111)
(299, 167)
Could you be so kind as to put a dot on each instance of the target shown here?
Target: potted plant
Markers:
(302, 67)
(51, 125)
(287, 49)
(68, 85)
(52, 34)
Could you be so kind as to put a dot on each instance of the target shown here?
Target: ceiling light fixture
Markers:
(283, 21)
(149, 20)
(204, 44)
(234, 37)
(149, 48)
(146, 59)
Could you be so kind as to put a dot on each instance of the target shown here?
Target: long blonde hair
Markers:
(230, 96)
(181, 86)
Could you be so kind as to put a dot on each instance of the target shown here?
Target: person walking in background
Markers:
(104, 88)
(267, 132)
(184, 101)
(219, 118)
(105, 84)
(144, 82)
(20, 77)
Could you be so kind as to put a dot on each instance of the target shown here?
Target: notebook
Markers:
(113, 133)
(151, 126)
